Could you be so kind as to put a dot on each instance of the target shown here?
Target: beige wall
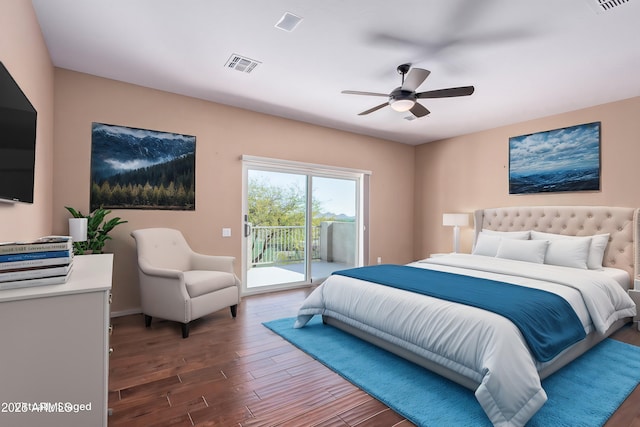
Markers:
(471, 172)
(223, 135)
(454, 175)
(24, 54)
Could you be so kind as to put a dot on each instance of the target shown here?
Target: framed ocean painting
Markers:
(566, 159)
(141, 169)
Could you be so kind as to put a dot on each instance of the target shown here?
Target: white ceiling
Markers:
(526, 58)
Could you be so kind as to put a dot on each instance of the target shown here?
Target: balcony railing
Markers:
(282, 244)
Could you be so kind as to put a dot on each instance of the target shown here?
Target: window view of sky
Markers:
(337, 196)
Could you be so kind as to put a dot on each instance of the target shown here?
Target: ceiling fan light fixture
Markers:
(402, 105)
(405, 98)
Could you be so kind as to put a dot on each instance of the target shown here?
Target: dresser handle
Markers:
(110, 351)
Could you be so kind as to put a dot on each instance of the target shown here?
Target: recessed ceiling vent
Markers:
(601, 6)
(288, 22)
(241, 63)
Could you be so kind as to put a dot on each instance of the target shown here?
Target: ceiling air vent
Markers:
(288, 22)
(601, 6)
(241, 63)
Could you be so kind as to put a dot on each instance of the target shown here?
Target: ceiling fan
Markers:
(404, 98)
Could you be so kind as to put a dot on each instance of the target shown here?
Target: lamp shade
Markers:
(78, 229)
(455, 219)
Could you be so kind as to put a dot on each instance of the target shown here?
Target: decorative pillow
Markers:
(486, 244)
(519, 235)
(598, 245)
(539, 235)
(568, 252)
(523, 250)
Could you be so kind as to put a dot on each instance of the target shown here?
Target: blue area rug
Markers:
(584, 393)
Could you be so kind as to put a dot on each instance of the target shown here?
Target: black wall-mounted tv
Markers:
(17, 141)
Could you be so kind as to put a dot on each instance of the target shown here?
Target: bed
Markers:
(583, 257)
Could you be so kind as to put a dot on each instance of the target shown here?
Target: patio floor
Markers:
(288, 273)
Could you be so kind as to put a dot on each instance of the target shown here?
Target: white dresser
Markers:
(54, 349)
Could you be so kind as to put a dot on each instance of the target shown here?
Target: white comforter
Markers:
(480, 345)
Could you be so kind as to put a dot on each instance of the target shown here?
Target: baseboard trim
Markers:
(126, 312)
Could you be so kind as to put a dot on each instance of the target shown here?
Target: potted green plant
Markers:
(97, 230)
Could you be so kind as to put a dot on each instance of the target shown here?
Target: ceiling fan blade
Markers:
(376, 108)
(447, 93)
(414, 78)
(357, 92)
(419, 110)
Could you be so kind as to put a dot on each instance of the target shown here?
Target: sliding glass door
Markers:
(300, 224)
(276, 229)
(334, 222)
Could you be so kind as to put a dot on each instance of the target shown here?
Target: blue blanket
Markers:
(547, 321)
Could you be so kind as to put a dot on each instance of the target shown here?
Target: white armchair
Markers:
(179, 284)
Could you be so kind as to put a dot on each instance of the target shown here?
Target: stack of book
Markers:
(44, 261)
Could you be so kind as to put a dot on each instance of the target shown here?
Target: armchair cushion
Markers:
(200, 282)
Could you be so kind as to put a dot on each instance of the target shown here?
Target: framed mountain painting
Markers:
(141, 169)
(566, 159)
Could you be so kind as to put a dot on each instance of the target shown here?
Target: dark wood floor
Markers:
(235, 372)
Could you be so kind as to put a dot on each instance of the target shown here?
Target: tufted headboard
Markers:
(621, 224)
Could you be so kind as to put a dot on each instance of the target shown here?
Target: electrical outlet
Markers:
(226, 232)
(379, 260)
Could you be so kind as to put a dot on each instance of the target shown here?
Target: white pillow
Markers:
(539, 235)
(523, 250)
(596, 250)
(520, 235)
(486, 244)
(599, 243)
(568, 252)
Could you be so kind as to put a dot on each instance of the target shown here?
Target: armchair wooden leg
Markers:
(185, 330)
(147, 321)
(234, 310)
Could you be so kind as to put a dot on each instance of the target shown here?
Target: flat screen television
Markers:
(17, 141)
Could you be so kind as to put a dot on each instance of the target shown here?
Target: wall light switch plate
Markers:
(226, 232)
